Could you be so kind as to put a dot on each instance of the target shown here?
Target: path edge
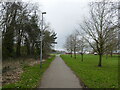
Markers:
(80, 80)
(39, 82)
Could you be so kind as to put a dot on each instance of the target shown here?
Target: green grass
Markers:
(31, 76)
(93, 76)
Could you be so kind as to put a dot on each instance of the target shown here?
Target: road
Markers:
(59, 75)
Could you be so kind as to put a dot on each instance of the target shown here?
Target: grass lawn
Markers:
(93, 76)
(31, 76)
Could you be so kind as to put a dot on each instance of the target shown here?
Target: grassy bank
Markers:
(93, 76)
(31, 76)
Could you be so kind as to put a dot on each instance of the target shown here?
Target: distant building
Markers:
(116, 52)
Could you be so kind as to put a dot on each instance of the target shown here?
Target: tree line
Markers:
(20, 24)
(99, 31)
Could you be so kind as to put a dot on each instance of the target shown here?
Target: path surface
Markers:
(58, 75)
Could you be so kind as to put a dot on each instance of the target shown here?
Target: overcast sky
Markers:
(64, 16)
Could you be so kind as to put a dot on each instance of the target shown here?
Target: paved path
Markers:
(58, 75)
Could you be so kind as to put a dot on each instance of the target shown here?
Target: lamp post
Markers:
(41, 38)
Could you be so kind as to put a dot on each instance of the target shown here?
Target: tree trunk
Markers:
(18, 45)
(100, 60)
(82, 57)
(18, 49)
(71, 53)
(32, 49)
(28, 47)
(28, 50)
(74, 54)
(111, 53)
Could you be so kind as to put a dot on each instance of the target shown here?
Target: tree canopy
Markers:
(21, 28)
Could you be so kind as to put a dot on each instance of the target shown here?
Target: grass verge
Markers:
(31, 76)
(93, 76)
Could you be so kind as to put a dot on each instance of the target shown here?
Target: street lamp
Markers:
(41, 40)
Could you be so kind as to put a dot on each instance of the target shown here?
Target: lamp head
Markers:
(43, 12)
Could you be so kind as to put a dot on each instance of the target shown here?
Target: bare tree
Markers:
(82, 46)
(75, 43)
(111, 44)
(69, 44)
(99, 26)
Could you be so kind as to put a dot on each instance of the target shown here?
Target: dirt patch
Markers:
(13, 69)
(11, 76)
